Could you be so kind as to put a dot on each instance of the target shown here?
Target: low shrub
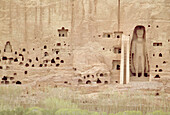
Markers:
(34, 111)
(159, 112)
(130, 113)
(68, 111)
(55, 103)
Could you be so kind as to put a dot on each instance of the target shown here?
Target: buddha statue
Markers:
(138, 53)
(8, 47)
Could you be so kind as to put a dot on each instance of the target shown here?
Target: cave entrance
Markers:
(116, 64)
(88, 82)
(99, 81)
(80, 81)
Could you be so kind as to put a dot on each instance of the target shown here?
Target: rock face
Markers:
(76, 38)
(90, 64)
(88, 55)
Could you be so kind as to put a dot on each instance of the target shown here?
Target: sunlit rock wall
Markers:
(32, 24)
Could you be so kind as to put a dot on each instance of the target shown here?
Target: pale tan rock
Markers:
(72, 39)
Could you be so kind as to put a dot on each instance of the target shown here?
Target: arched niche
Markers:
(8, 47)
(139, 63)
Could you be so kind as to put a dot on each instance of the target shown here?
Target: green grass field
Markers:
(15, 100)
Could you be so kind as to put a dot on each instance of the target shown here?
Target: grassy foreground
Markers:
(16, 100)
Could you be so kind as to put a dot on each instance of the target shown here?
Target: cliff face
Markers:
(31, 27)
(29, 19)
(32, 21)
(93, 17)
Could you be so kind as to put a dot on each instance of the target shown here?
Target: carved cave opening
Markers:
(23, 49)
(57, 52)
(18, 82)
(62, 61)
(57, 58)
(57, 65)
(62, 32)
(92, 76)
(160, 55)
(101, 75)
(15, 60)
(105, 82)
(45, 65)
(8, 47)
(26, 72)
(21, 63)
(58, 44)
(4, 78)
(4, 58)
(52, 61)
(20, 55)
(22, 58)
(45, 47)
(40, 65)
(117, 50)
(160, 70)
(80, 81)
(88, 82)
(36, 59)
(46, 54)
(98, 80)
(26, 65)
(157, 76)
(157, 44)
(11, 78)
(106, 35)
(6, 82)
(164, 62)
(118, 67)
(116, 64)
(30, 60)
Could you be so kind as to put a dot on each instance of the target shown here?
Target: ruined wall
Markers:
(31, 27)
